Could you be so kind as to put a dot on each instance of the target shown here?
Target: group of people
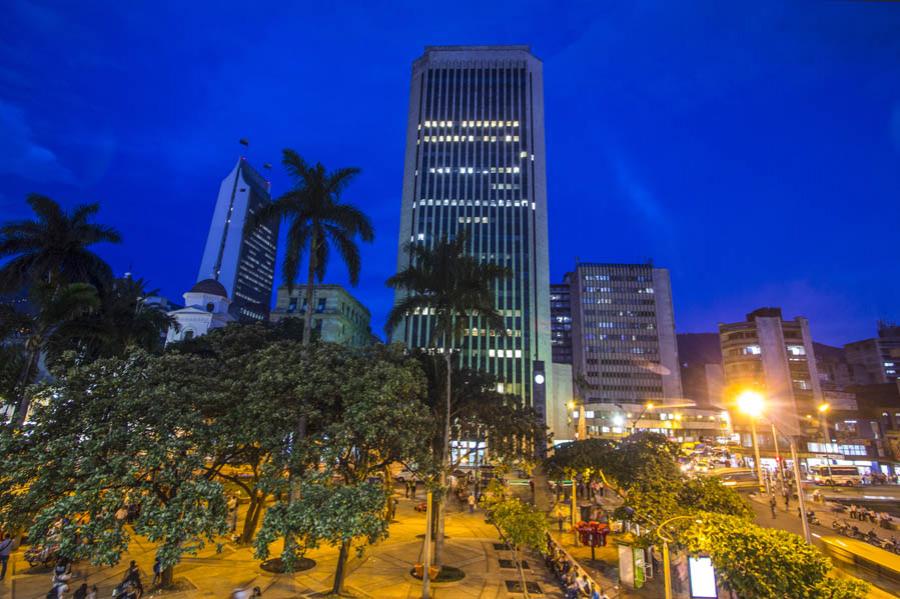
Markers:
(571, 577)
(866, 515)
(879, 478)
(129, 588)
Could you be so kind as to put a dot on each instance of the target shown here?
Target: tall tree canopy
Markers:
(363, 415)
(114, 433)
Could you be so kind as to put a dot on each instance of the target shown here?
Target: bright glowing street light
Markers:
(823, 408)
(750, 403)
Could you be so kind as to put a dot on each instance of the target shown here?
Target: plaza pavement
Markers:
(382, 571)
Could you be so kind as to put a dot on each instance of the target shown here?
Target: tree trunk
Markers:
(445, 465)
(439, 513)
(251, 520)
(520, 569)
(310, 288)
(167, 577)
(341, 571)
(24, 401)
(300, 432)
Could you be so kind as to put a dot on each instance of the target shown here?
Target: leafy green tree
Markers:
(116, 432)
(643, 471)
(364, 423)
(753, 561)
(45, 329)
(521, 525)
(53, 248)
(318, 221)
(455, 289)
(240, 417)
(707, 493)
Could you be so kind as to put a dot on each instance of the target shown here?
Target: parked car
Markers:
(406, 476)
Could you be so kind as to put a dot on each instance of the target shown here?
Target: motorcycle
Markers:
(890, 545)
(872, 538)
(839, 527)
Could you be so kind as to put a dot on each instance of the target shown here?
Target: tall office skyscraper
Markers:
(243, 264)
(475, 162)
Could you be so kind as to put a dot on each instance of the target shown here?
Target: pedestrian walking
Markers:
(772, 505)
(58, 591)
(232, 513)
(81, 592)
(472, 502)
(92, 594)
(5, 549)
(392, 509)
(157, 571)
(406, 489)
(787, 499)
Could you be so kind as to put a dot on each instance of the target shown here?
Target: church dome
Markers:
(210, 287)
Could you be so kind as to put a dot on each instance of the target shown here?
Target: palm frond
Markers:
(352, 220)
(348, 250)
(339, 179)
(402, 309)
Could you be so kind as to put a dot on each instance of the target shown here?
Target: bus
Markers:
(872, 564)
(836, 475)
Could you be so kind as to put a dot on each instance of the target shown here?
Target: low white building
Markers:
(205, 307)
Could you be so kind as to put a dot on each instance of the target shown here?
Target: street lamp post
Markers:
(823, 417)
(800, 499)
(778, 457)
(667, 565)
(751, 403)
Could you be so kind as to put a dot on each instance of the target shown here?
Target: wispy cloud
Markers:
(636, 190)
(895, 125)
(22, 155)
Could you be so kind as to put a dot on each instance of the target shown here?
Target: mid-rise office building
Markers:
(877, 360)
(475, 163)
(622, 348)
(775, 357)
(244, 263)
(338, 317)
(623, 333)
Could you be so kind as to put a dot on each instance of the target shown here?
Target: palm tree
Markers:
(56, 308)
(122, 320)
(318, 221)
(454, 289)
(53, 247)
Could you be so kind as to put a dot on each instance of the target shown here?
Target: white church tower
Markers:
(205, 307)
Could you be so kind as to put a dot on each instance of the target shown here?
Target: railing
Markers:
(553, 544)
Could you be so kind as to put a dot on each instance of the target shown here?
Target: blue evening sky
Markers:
(751, 147)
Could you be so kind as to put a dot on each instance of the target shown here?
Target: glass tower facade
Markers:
(475, 163)
(243, 263)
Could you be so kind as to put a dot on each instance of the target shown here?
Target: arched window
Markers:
(188, 334)
(210, 307)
